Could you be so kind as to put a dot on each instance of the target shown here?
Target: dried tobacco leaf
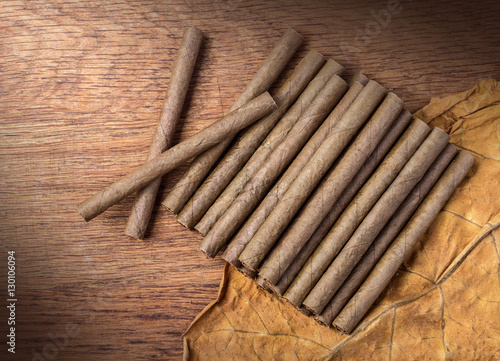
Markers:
(444, 305)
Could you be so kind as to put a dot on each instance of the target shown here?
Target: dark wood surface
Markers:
(81, 88)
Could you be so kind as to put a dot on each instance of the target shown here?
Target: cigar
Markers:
(355, 212)
(309, 177)
(268, 145)
(394, 132)
(275, 62)
(178, 154)
(165, 130)
(279, 159)
(375, 220)
(252, 224)
(243, 148)
(325, 155)
(403, 245)
(387, 235)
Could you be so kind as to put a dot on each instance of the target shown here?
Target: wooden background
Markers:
(81, 87)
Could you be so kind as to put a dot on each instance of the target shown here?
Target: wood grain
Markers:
(82, 84)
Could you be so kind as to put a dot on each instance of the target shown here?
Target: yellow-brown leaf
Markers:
(444, 305)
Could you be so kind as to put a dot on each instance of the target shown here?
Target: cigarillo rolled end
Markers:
(441, 132)
(314, 53)
(136, 229)
(167, 206)
(249, 273)
(375, 88)
(406, 113)
(315, 310)
(337, 68)
(131, 234)
(340, 329)
(80, 210)
(262, 284)
(194, 32)
(294, 34)
(305, 311)
(85, 211)
(184, 221)
(393, 97)
(420, 125)
(209, 249)
(468, 159)
(270, 275)
(273, 289)
(321, 320)
(360, 78)
(201, 229)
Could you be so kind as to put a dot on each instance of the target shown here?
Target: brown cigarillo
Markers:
(268, 145)
(279, 159)
(245, 145)
(392, 135)
(403, 245)
(252, 224)
(316, 167)
(275, 62)
(387, 235)
(178, 154)
(355, 212)
(375, 220)
(165, 130)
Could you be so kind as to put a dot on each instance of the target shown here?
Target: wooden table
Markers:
(81, 88)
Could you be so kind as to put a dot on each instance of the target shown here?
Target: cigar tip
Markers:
(183, 221)
(314, 52)
(195, 30)
(295, 33)
(373, 86)
(312, 310)
(468, 158)
(312, 57)
(340, 329)
(131, 234)
(405, 113)
(451, 148)
(360, 78)
(261, 282)
(305, 311)
(438, 132)
(246, 264)
(164, 204)
(201, 230)
(245, 271)
(339, 79)
(207, 250)
(338, 69)
(417, 122)
(133, 229)
(394, 97)
(82, 210)
(321, 320)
